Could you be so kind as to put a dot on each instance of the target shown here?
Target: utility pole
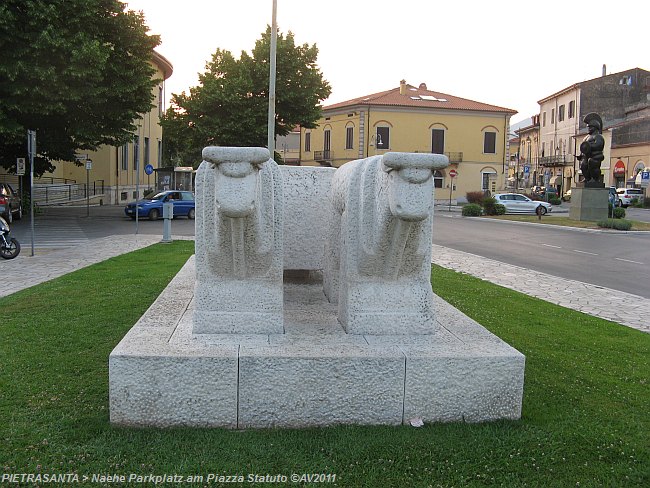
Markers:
(271, 119)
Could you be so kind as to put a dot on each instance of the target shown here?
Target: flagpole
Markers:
(271, 119)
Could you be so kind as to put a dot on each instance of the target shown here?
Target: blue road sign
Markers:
(148, 169)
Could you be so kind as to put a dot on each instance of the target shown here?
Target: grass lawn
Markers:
(564, 221)
(585, 417)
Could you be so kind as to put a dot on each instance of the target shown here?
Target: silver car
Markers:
(517, 203)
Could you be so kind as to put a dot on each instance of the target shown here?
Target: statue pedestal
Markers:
(314, 374)
(589, 203)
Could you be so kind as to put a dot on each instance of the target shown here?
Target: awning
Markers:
(556, 180)
(511, 179)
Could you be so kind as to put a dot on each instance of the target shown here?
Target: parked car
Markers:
(10, 205)
(624, 196)
(152, 207)
(517, 203)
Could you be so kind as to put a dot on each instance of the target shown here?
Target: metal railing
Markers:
(455, 157)
(323, 155)
(557, 160)
(56, 194)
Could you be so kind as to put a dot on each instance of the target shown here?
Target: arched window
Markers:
(438, 177)
(349, 136)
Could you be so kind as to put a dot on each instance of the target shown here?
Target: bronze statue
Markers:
(591, 151)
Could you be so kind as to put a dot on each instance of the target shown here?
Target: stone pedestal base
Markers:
(312, 375)
(589, 203)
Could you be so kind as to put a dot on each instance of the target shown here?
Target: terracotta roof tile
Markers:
(414, 98)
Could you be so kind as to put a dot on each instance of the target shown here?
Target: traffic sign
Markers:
(526, 170)
(453, 173)
(148, 169)
(20, 166)
(645, 178)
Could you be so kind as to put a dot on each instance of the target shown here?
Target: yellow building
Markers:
(116, 171)
(473, 135)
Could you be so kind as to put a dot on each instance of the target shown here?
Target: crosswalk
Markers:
(50, 234)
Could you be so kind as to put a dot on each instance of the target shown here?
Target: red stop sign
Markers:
(453, 173)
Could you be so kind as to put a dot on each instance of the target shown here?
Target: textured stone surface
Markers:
(313, 374)
(589, 203)
(309, 384)
(306, 204)
(377, 253)
(239, 250)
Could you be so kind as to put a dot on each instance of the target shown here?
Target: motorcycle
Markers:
(9, 247)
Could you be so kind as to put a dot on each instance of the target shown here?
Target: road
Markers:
(614, 260)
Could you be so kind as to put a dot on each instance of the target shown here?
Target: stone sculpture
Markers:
(215, 350)
(591, 151)
(377, 256)
(238, 242)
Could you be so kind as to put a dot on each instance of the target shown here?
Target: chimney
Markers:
(423, 86)
(402, 87)
(604, 70)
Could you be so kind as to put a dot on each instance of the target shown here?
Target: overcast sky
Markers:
(505, 53)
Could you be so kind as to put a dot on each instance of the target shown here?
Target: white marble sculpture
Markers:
(238, 242)
(377, 256)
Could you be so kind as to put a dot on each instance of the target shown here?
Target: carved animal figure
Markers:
(238, 242)
(378, 252)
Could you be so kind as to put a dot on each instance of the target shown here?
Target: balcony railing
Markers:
(323, 156)
(455, 157)
(557, 160)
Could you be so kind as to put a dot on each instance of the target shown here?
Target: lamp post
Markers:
(89, 166)
(272, 71)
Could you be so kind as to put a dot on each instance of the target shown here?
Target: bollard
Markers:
(168, 215)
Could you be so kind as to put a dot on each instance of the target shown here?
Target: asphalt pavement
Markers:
(51, 262)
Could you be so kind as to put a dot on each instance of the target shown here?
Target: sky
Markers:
(501, 52)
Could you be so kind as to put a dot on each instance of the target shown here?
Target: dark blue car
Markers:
(152, 208)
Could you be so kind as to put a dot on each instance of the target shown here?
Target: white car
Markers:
(624, 196)
(517, 203)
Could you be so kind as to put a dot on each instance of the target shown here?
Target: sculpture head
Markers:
(411, 183)
(594, 123)
(236, 182)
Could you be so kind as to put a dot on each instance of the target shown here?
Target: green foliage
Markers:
(619, 213)
(554, 201)
(475, 197)
(499, 209)
(582, 425)
(471, 210)
(76, 71)
(618, 224)
(229, 107)
(489, 206)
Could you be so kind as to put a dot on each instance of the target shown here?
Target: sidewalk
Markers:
(626, 309)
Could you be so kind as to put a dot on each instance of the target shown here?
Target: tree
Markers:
(229, 107)
(76, 71)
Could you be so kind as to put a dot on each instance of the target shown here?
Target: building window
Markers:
(307, 141)
(572, 109)
(159, 152)
(552, 116)
(146, 151)
(136, 153)
(160, 99)
(489, 142)
(349, 136)
(383, 138)
(560, 113)
(437, 178)
(438, 141)
(544, 119)
(488, 180)
(327, 142)
(125, 157)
